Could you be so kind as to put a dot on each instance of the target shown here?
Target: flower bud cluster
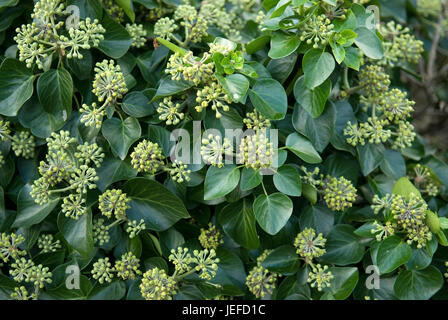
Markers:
(389, 110)
(317, 31)
(178, 171)
(190, 68)
(38, 40)
(403, 215)
(399, 45)
(214, 148)
(147, 157)
(170, 112)
(69, 163)
(47, 243)
(255, 151)
(260, 281)
(9, 246)
(424, 181)
(320, 277)
(310, 246)
(339, 193)
(213, 94)
(137, 33)
(157, 285)
(114, 203)
(256, 121)
(210, 238)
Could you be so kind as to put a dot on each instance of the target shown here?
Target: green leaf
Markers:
(257, 44)
(369, 43)
(16, 86)
(228, 177)
(283, 259)
(352, 58)
(238, 222)
(235, 85)
(117, 40)
(250, 179)
(418, 284)
(370, 157)
(287, 180)
(343, 247)
(393, 164)
(172, 47)
(318, 217)
(121, 134)
(108, 291)
(137, 105)
(312, 100)
(392, 253)
(55, 90)
(77, 233)
(41, 123)
(317, 67)
(127, 7)
(168, 87)
(338, 51)
(28, 211)
(302, 148)
(404, 188)
(283, 44)
(318, 130)
(272, 211)
(269, 98)
(153, 203)
(113, 170)
(343, 283)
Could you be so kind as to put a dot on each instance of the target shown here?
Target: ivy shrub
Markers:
(238, 149)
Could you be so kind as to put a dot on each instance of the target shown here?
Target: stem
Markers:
(264, 189)
(346, 83)
(181, 276)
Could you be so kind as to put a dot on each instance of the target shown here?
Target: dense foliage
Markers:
(119, 179)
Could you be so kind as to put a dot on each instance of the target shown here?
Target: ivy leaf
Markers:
(238, 222)
(250, 179)
(283, 259)
(418, 284)
(343, 247)
(228, 176)
(319, 130)
(312, 100)
(269, 98)
(127, 7)
(317, 67)
(153, 203)
(392, 253)
(272, 211)
(28, 211)
(55, 90)
(117, 40)
(121, 134)
(283, 44)
(77, 233)
(235, 85)
(168, 87)
(369, 43)
(302, 148)
(16, 86)
(343, 283)
(137, 105)
(287, 180)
